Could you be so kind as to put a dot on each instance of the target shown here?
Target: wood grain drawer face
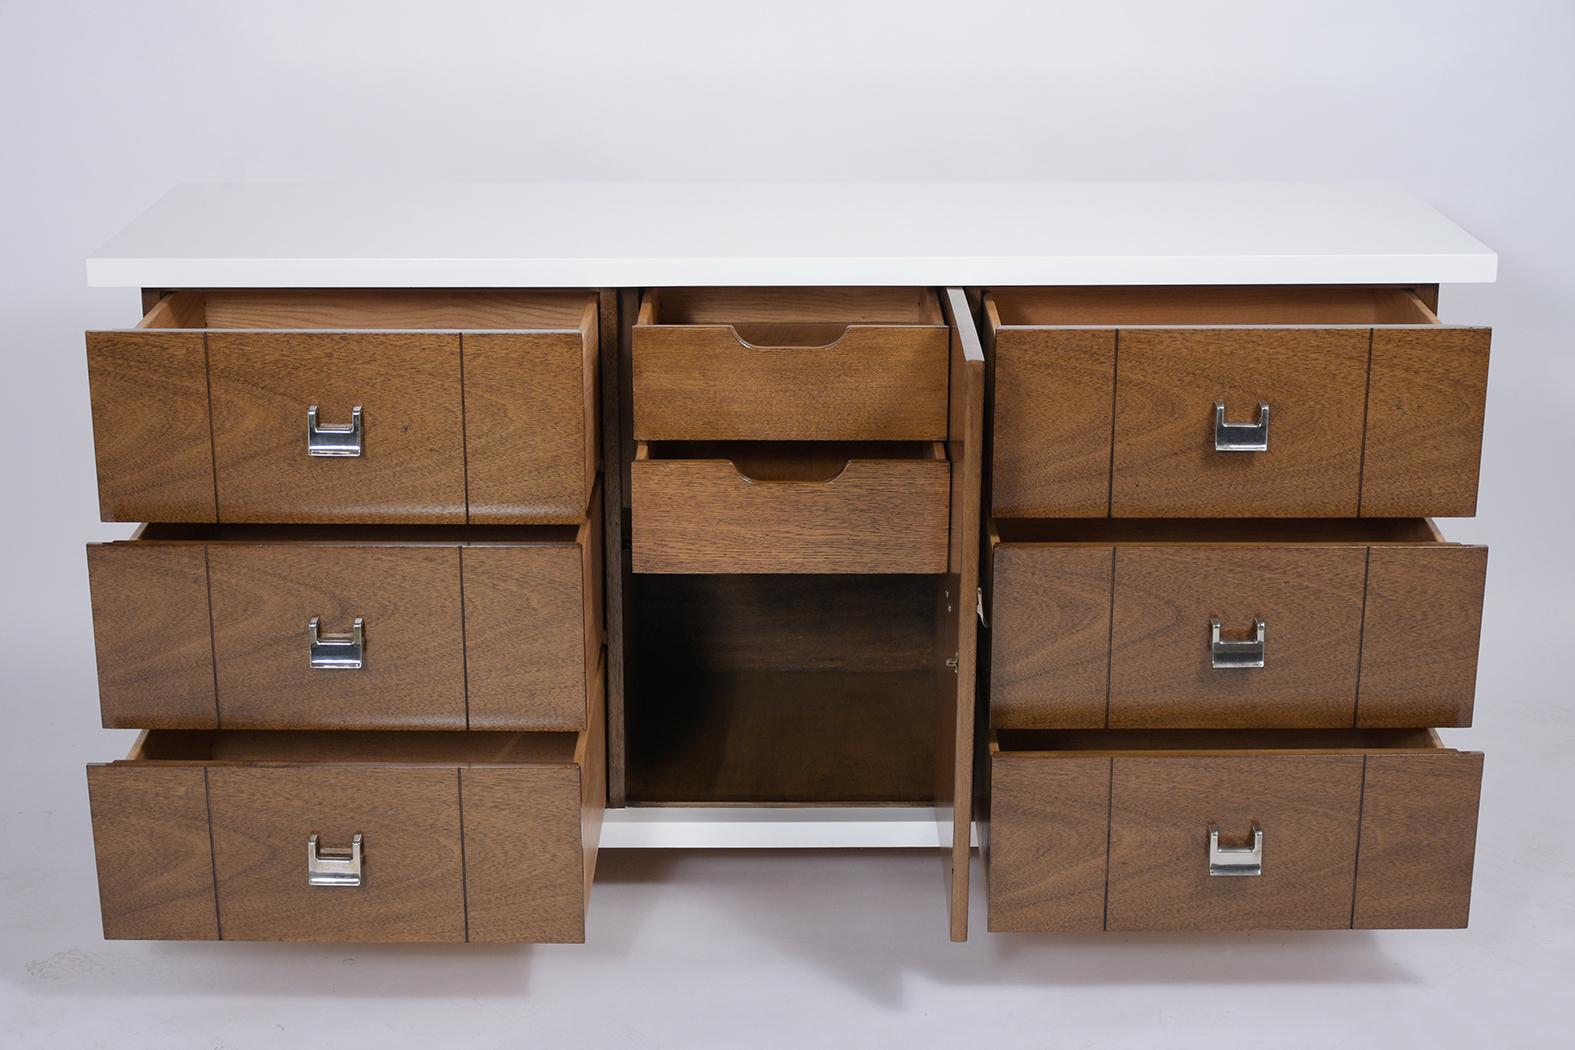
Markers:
(1105, 403)
(1110, 830)
(786, 508)
(790, 364)
(475, 406)
(480, 837)
(1365, 625)
(492, 629)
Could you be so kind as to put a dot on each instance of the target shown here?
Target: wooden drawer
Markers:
(790, 364)
(485, 627)
(789, 507)
(1105, 403)
(1111, 830)
(474, 406)
(1365, 624)
(464, 836)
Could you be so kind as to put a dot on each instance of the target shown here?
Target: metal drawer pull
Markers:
(1232, 860)
(336, 654)
(1236, 652)
(333, 439)
(332, 866)
(1241, 437)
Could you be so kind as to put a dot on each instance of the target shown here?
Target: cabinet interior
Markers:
(1208, 305)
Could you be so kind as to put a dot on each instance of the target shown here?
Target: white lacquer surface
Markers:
(643, 234)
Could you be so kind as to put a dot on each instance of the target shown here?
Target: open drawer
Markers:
(790, 364)
(1168, 623)
(422, 406)
(1232, 402)
(349, 836)
(1220, 830)
(772, 507)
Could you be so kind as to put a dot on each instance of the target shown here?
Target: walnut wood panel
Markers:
(703, 515)
(1421, 630)
(957, 633)
(1054, 394)
(413, 881)
(531, 442)
(151, 437)
(150, 838)
(533, 632)
(412, 468)
(813, 379)
(1167, 382)
(1425, 403)
(151, 635)
(530, 843)
(1419, 830)
(1308, 807)
(414, 671)
(1050, 636)
(1160, 665)
(1046, 854)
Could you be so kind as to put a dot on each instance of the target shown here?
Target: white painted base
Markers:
(772, 827)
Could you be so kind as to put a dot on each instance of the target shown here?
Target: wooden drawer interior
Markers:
(1110, 829)
(1097, 306)
(351, 309)
(791, 316)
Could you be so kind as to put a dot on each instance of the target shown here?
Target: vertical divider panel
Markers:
(957, 632)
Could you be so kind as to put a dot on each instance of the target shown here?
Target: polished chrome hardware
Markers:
(1236, 652)
(333, 439)
(1241, 437)
(1233, 860)
(333, 866)
(336, 653)
(978, 607)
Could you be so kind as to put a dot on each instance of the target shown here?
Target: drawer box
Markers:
(485, 627)
(1109, 624)
(790, 364)
(701, 507)
(463, 836)
(473, 406)
(1105, 403)
(1111, 830)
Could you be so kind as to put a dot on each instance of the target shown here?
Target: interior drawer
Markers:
(1108, 401)
(1110, 624)
(857, 507)
(479, 627)
(1112, 830)
(464, 836)
(790, 364)
(429, 406)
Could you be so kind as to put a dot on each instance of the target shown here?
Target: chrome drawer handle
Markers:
(1241, 437)
(336, 653)
(1233, 860)
(333, 439)
(333, 866)
(1236, 652)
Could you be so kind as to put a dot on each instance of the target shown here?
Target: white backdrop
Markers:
(1471, 105)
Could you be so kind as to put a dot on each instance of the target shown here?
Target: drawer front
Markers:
(193, 635)
(412, 883)
(876, 516)
(1363, 421)
(1123, 843)
(1090, 636)
(411, 463)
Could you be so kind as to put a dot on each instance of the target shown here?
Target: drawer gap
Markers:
(1212, 530)
(1052, 742)
(1204, 305)
(351, 748)
(305, 309)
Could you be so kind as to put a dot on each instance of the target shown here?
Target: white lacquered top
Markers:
(299, 235)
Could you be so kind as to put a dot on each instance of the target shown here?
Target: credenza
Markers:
(1089, 524)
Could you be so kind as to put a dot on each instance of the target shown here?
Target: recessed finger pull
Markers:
(336, 653)
(333, 439)
(1235, 860)
(1241, 437)
(331, 865)
(1230, 653)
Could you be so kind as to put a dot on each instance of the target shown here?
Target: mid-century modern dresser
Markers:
(484, 526)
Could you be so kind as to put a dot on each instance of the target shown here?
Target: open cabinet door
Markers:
(955, 649)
